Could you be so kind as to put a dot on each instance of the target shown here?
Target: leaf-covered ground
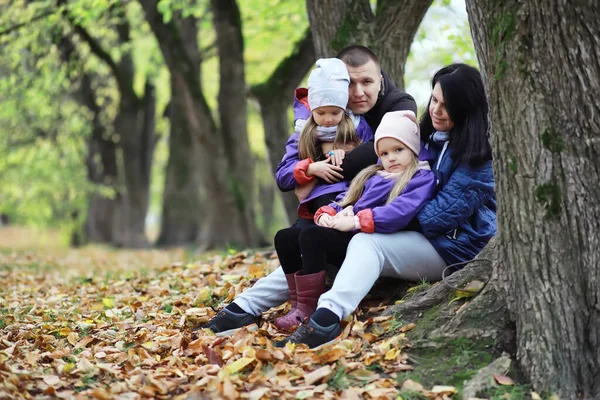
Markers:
(100, 323)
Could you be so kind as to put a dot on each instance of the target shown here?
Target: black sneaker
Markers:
(226, 323)
(313, 335)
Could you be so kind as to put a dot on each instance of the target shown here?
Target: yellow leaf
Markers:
(230, 278)
(108, 302)
(392, 354)
(64, 331)
(68, 367)
(202, 296)
(238, 365)
(256, 271)
(535, 396)
(143, 298)
(443, 390)
(150, 346)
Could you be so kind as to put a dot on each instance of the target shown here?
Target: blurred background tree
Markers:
(161, 122)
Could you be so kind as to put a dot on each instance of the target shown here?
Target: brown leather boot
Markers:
(308, 288)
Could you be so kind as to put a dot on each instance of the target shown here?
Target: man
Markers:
(371, 93)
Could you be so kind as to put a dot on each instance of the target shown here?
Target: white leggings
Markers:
(405, 255)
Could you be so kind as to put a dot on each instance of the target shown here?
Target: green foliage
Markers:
(503, 31)
(552, 140)
(550, 196)
(512, 164)
(448, 361)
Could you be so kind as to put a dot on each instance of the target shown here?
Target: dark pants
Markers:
(311, 248)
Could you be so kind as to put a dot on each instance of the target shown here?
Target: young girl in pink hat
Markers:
(383, 198)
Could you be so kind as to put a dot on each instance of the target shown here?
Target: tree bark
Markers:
(182, 206)
(274, 97)
(224, 224)
(389, 32)
(233, 113)
(542, 76)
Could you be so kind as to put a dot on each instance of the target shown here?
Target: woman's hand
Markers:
(325, 220)
(344, 223)
(325, 170)
(336, 157)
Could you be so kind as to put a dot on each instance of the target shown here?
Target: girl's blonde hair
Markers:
(358, 183)
(345, 135)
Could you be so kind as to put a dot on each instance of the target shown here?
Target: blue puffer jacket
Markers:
(461, 218)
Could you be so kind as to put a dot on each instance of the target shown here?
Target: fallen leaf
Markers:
(412, 386)
(108, 302)
(238, 365)
(317, 374)
(503, 380)
(408, 327)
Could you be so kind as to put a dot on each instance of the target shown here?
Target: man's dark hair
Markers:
(467, 107)
(356, 56)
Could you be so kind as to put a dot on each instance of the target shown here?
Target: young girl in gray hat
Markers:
(321, 140)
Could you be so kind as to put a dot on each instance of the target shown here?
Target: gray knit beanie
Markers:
(328, 84)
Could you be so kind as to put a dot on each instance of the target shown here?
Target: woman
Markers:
(454, 226)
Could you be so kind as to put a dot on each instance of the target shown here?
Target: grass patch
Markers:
(448, 361)
(507, 392)
(339, 381)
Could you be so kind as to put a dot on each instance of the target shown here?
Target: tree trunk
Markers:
(275, 95)
(224, 224)
(542, 75)
(135, 125)
(182, 206)
(98, 226)
(233, 113)
(389, 32)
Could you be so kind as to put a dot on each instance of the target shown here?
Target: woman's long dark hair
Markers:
(467, 107)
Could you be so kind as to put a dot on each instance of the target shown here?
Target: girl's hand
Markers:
(344, 224)
(336, 157)
(325, 220)
(347, 212)
(326, 171)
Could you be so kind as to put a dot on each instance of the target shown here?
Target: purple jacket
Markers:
(376, 216)
(291, 171)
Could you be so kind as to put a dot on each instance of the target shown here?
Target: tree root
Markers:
(484, 316)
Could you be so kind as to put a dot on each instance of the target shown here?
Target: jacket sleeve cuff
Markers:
(300, 172)
(365, 218)
(324, 210)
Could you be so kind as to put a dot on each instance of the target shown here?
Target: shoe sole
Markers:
(337, 338)
(231, 332)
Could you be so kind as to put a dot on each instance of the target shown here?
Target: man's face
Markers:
(365, 83)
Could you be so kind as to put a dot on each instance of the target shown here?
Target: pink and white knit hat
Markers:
(400, 125)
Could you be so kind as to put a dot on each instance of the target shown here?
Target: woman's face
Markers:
(437, 110)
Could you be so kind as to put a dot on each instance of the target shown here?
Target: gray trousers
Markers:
(405, 255)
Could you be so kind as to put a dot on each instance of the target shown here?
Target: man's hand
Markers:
(303, 191)
(344, 223)
(325, 220)
(325, 170)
